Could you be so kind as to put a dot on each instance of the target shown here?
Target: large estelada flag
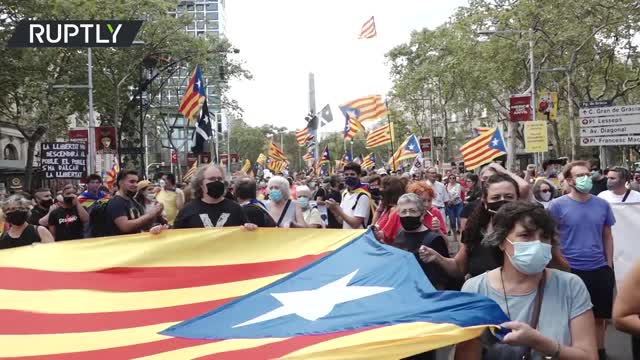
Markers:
(187, 294)
(487, 146)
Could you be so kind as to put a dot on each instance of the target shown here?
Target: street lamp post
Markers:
(146, 172)
(572, 126)
(511, 155)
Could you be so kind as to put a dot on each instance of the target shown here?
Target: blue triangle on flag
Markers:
(497, 142)
(360, 285)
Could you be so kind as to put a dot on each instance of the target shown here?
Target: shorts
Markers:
(600, 284)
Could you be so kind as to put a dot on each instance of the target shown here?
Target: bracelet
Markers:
(556, 354)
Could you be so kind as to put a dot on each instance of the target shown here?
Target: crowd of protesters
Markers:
(539, 243)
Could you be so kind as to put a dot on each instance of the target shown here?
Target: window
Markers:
(200, 33)
(200, 7)
(212, 24)
(10, 152)
(212, 16)
(212, 7)
(200, 25)
(190, 26)
(200, 16)
(189, 7)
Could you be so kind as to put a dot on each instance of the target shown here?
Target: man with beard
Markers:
(210, 208)
(42, 201)
(124, 212)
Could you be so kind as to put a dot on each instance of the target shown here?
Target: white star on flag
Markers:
(198, 84)
(315, 304)
(495, 142)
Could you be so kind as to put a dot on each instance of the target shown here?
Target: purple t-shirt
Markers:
(580, 225)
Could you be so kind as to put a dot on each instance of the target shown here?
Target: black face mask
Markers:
(375, 192)
(68, 200)
(411, 222)
(215, 189)
(495, 206)
(46, 203)
(130, 193)
(17, 218)
(352, 181)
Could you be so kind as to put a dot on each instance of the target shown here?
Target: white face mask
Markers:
(162, 184)
(545, 196)
(150, 197)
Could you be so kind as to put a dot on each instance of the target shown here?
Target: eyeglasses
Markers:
(545, 190)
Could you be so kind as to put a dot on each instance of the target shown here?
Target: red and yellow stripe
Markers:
(109, 297)
(371, 107)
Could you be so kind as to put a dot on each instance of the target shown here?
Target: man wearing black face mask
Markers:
(210, 208)
(414, 236)
(42, 202)
(355, 209)
(67, 222)
(124, 212)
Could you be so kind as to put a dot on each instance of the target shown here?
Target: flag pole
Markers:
(312, 110)
(391, 133)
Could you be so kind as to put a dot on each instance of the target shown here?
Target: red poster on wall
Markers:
(79, 135)
(520, 108)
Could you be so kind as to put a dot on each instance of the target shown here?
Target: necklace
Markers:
(504, 292)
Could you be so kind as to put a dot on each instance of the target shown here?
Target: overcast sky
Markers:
(281, 41)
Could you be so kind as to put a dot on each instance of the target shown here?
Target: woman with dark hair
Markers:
(391, 188)
(475, 192)
(550, 310)
(544, 192)
(472, 258)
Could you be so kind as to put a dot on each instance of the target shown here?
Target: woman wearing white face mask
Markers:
(544, 192)
(146, 196)
(550, 309)
(310, 210)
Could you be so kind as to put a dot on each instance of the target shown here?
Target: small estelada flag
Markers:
(368, 30)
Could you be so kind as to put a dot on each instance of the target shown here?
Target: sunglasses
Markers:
(545, 191)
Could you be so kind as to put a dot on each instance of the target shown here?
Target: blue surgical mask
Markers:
(303, 202)
(584, 184)
(275, 195)
(530, 257)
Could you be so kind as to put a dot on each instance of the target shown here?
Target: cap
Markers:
(381, 171)
(143, 184)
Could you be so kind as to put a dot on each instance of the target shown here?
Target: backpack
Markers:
(100, 222)
(372, 209)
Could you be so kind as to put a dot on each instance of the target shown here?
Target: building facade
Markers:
(207, 19)
(13, 159)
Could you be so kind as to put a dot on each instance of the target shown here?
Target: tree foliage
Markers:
(453, 70)
(28, 99)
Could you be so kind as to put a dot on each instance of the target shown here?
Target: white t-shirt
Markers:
(361, 210)
(441, 194)
(634, 197)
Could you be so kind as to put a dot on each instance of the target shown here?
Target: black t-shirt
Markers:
(599, 186)
(36, 214)
(67, 224)
(412, 241)
(333, 222)
(256, 215)
(29, 236)
(467, 210)
(198, 214)
(119, 207)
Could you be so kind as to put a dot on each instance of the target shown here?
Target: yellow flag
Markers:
(246, 166)
(261, 159)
